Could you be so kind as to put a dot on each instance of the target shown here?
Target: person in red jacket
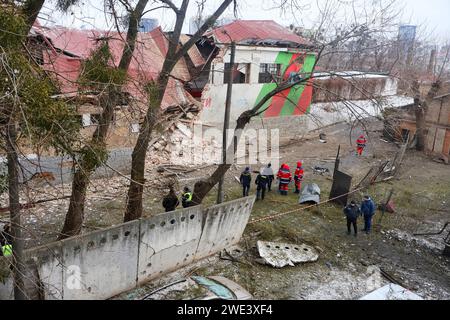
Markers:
(298, 177)
(285, 177)
(361, 144)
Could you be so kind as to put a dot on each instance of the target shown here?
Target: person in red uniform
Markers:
(285, 177)
(361, 144)
(298, 177)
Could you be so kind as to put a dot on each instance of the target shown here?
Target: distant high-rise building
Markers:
(148, 24)
(407, 33)
(407, 38)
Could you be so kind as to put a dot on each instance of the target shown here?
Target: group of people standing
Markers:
(171, 202)
(353, 211)
(266, 176)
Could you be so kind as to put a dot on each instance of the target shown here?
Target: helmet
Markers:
(299, 164)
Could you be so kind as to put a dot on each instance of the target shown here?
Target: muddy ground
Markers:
(345, 267)
(422, 198)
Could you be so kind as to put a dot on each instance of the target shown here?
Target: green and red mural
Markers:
(295, 100)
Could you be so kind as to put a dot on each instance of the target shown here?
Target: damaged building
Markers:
(61, 52)
(268, 53)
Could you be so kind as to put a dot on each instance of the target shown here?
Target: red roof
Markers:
(146, 64)
(256, 31)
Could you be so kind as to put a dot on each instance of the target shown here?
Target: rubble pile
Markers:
(182, 144)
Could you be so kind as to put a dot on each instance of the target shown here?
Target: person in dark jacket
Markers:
(245, 179)
(261, 183)
(170, 201)
(368, 211)
(186, 198)
(268, 172)
(352, 213)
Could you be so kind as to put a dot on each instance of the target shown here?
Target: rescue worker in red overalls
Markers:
(285, 177)
(298, 177)
(361, 144)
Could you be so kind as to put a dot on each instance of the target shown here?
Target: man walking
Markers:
(245, 179)
(268, 172)
(368, 211)
(352, 213)
(261, 182)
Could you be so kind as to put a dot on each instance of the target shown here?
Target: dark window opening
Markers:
(269, 72)
(240, 72)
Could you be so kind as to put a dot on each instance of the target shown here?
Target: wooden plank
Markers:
(439, 142)
(429, 144)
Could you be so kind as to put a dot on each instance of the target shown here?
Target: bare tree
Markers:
(27, 111)
(156, 94)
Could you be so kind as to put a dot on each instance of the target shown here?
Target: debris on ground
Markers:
(280, 255)
(311, 193)
(320, 170)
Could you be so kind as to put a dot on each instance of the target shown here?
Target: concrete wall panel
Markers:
(224, 225)
(49, 264)
(168, 241)
(107, 260)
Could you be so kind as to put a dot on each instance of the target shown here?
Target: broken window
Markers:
(269, 72)
(240, 72)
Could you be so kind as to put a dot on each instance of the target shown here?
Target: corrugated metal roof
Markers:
(145, 66)
(256, 31)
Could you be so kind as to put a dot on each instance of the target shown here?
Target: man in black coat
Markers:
(261, 183)
(352, 213)
(245, 179)
(170, 202)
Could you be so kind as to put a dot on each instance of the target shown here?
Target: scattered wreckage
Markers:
(280, 255)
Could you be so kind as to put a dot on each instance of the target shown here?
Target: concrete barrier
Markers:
(168, 242)
(104, 263)
(223, 226)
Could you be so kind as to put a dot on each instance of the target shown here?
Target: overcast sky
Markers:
(433, 13)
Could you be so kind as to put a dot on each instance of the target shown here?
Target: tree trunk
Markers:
(420, 126)
(421, 109)
(134, 207)
(86, 166)
(203, 187)
(109, 99)
(31, 11)
(14, 209)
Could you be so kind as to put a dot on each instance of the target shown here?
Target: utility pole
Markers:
(226, 121)
(14, 209)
